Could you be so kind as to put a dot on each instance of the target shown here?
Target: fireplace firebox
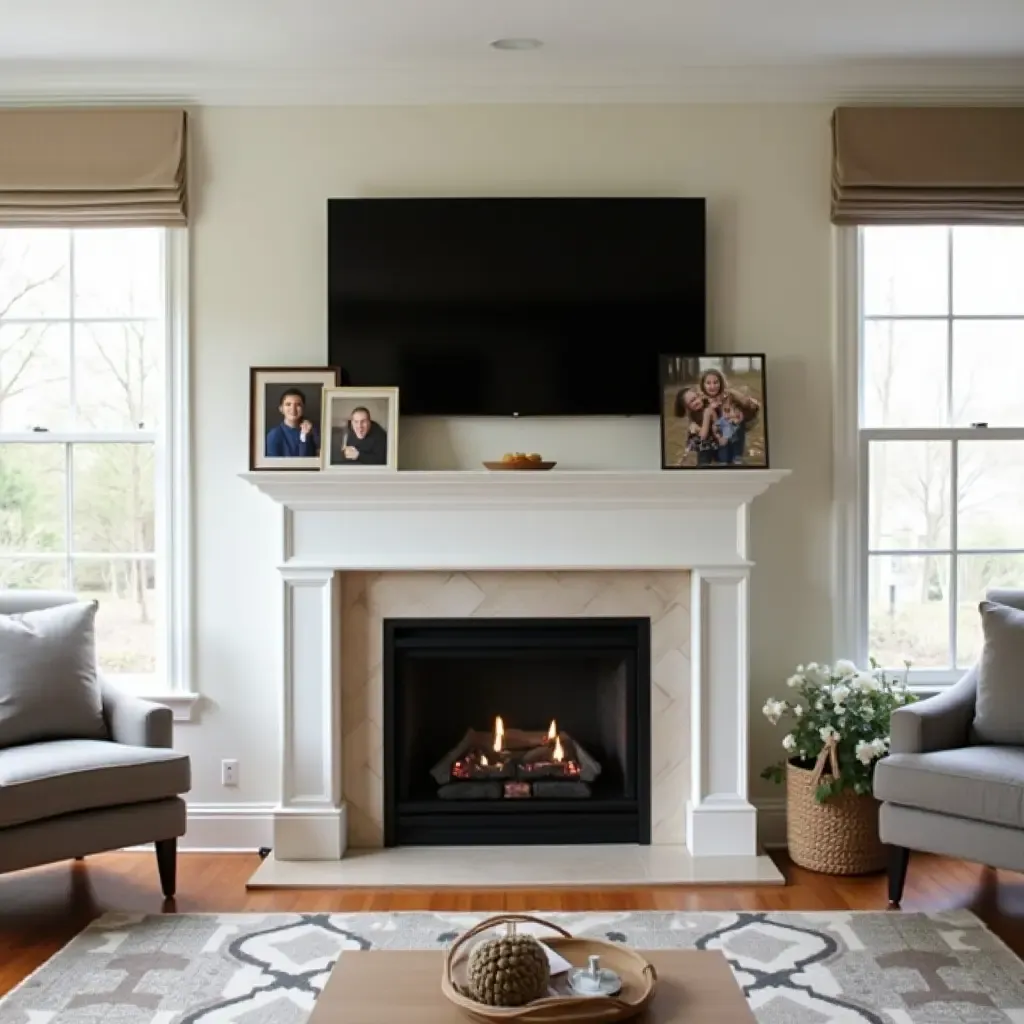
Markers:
(516, 731)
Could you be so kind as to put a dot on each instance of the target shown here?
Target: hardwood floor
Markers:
(41, 910)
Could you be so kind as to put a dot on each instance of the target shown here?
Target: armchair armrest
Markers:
(133, 721)
(942, 722)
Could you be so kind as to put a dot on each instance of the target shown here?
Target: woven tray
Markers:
(638, 980)
(508, 465)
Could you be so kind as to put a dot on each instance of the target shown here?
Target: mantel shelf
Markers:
(567, 489)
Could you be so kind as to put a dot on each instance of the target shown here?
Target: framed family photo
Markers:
(285, 412)
(713, 412)
(360, 429)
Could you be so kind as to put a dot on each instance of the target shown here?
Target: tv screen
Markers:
(543, 307)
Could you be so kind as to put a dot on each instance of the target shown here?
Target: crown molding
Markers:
(474, 82)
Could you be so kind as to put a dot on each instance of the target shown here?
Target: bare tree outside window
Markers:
(82, 353)
(942, 357)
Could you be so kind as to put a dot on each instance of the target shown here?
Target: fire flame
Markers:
(559, 754)
(499, 733)
(483, 760)
(552, 730)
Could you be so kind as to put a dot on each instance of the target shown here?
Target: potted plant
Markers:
(839, 728)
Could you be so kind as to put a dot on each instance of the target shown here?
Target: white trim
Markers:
(177, 502)
(224, 828)
(76, 82)
(848, 598)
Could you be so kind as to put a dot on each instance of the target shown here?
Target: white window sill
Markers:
(183, 703)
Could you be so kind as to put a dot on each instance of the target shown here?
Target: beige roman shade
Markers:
(928, 165)
(85, 167)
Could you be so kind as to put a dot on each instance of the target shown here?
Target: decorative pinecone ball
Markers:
(509, 971)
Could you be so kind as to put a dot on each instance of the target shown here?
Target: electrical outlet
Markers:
(229, 773)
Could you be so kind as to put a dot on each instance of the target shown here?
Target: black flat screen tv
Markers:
(503, 306)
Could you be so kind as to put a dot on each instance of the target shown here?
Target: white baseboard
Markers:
(247, 827)
(771, 822)
(229, 827)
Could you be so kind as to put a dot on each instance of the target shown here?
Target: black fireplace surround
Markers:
(442, 677)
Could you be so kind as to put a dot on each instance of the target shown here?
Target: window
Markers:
(941, 439)
(89, 431)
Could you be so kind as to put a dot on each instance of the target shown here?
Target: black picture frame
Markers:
(735, 439)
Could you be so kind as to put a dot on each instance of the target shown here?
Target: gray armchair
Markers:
(67, 798)
(942, 792)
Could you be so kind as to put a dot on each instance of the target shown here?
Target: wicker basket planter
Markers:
(838, 837)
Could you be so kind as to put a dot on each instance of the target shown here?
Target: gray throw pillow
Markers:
(999, 709)
(49, 689)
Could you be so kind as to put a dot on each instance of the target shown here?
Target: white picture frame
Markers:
(345, 448)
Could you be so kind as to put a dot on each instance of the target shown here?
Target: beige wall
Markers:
(259, 298)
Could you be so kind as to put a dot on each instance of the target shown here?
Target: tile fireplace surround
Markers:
(671, 546)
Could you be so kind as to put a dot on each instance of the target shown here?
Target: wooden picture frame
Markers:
(270, 438)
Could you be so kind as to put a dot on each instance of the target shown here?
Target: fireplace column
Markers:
(309, 823)
(720, 820)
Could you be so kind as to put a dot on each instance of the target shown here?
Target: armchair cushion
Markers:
(48, 683)
(999, 713)
(43, 780)
(980, 783)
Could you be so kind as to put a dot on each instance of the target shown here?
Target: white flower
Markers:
(799, 669)
(797, 710)
(794, 681)
(789, 741)
(867, 712)
(880, 746)
(826, 732)
(845, 668)
(865, 752)
(820, 706)
(840, 693)
(812, 667)
(773, 710)
(865, 682)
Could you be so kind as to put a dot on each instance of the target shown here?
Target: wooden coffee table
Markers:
(395, 986)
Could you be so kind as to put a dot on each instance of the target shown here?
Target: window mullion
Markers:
(69, 461)
(949, 327)
(954, 544)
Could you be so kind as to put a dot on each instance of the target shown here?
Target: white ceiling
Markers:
(409, 50)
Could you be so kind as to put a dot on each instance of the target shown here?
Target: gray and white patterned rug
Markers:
(882, 968)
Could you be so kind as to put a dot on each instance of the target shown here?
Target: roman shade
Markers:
(928, 165)
(71, 167)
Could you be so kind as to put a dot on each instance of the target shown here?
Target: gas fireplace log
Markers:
(471, 791)
(560, 789)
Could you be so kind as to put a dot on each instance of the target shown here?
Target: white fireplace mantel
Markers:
(557, 521)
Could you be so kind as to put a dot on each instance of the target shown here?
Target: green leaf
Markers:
(823, 792)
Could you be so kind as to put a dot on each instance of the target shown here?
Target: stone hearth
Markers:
(669, 545)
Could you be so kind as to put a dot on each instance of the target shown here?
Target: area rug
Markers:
(883, 968)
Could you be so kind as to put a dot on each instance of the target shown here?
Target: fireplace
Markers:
(516, 731)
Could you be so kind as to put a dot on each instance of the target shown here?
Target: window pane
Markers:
(905, 373)
(34, 280)
(32, 574)
(114, 497)
(34, 383)
(117, 273)
(119, 377)
(988, 368)
(906, 271)
(32, 498)
(991, 495)
(976, 574)
(988, 267)
(909, 487)
(126, 638)
(908, 610)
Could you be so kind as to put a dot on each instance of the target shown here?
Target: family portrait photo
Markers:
(713, 413)
(285, 413)
(360, 429)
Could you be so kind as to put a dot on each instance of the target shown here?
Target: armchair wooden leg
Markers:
(899, 858)
(167, 864)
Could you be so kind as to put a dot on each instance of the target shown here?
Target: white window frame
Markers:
(172, 477)
(850, 470)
